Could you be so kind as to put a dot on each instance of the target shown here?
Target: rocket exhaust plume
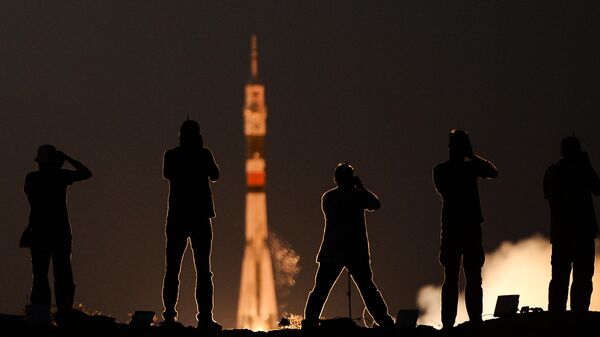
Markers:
(514, 268)
(286, 264)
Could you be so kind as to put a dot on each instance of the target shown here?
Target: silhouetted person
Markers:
(190, 168)
(456, 182)
(345, 245)
(46, 191)
(568, 186)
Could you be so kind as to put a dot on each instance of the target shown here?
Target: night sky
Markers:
(375, 83)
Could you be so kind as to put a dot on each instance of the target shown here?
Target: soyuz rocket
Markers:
(257, 306)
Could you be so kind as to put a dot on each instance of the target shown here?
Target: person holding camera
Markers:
(455, 181)
(568, 187)
(49, 231)
(345, 245)
(190, 168)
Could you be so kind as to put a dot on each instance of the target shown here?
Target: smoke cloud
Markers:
(514, 268)
(286, 265)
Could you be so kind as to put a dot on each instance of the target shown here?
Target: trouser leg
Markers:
(473, 259)
(558, 289)
(176, 244)
(583, 271)
(64, 287)
(201, 245)
(40, 290)
(450, 294)
(450, 256)
(473, 292)
(363, 277)
(327, 274)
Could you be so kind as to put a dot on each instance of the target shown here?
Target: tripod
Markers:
(349, 294)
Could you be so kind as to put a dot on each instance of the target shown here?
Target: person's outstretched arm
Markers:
(81, 171)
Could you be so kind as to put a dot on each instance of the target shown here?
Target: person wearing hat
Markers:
(345, 245)
(190, 168)
(46, 191)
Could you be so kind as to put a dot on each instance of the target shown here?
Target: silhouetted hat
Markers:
(189, 128)
(47, 154)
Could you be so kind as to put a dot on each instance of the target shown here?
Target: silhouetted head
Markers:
(189, 133)
(459, 144)
(343, 175)
(570, 148)
(48, 158)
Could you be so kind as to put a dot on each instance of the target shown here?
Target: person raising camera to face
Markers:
(569, 185)
(455, 181)
(345, 245)
(50, 237)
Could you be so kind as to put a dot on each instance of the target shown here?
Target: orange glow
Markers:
(255, 178)
(257, 303)
(260, 326)
(521, 268)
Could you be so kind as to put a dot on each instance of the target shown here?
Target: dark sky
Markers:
(376, 83)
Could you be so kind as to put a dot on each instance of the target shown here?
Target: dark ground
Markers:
(530, 324)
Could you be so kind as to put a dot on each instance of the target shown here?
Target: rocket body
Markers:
(257, 306)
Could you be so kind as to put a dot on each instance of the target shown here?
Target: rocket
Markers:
(257, 304)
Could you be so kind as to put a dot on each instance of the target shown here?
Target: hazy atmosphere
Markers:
(375, 83)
